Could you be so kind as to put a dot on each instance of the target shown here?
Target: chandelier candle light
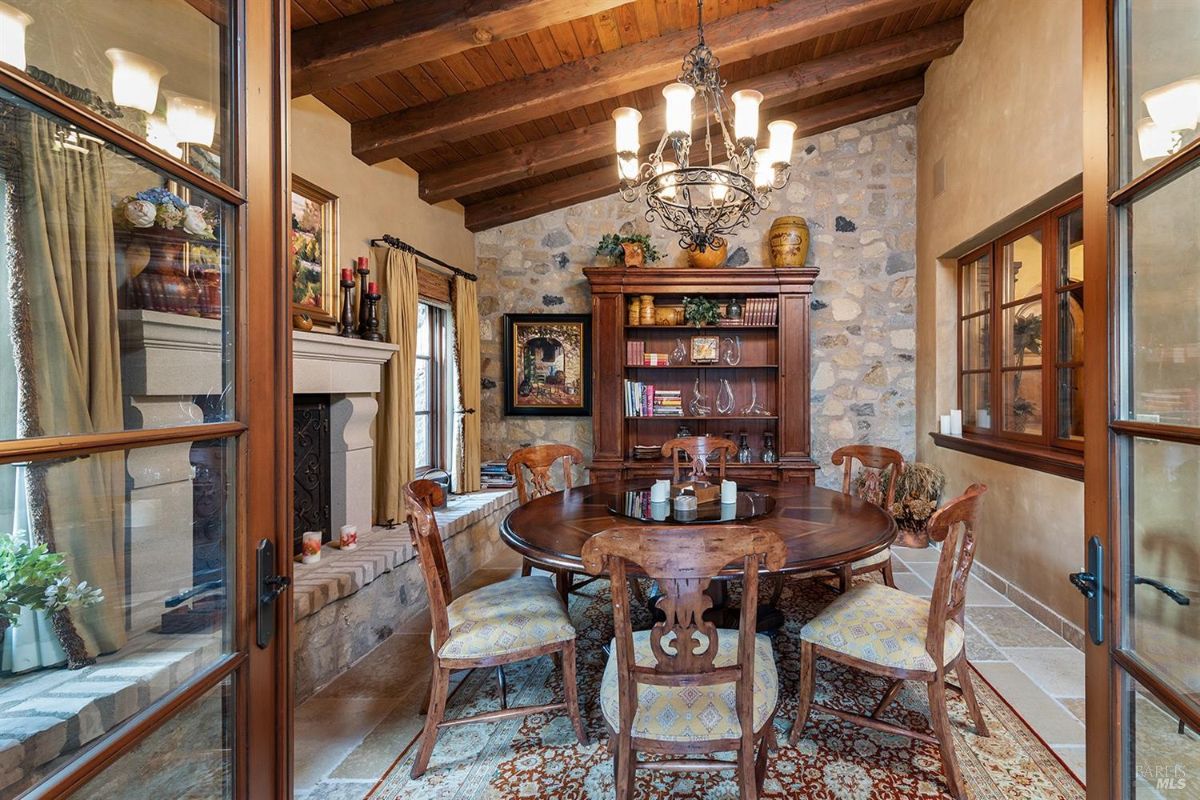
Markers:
(702, 202)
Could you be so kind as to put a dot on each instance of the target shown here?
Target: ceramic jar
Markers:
(788, 239)
(711, 258)
(635, 254)
(647, 309)
(635, 312)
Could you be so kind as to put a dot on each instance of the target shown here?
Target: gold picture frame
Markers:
(313, 251)
(706, 349)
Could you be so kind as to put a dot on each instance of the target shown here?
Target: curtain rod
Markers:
(392, 241)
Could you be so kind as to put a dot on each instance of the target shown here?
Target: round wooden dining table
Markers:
(821, 529)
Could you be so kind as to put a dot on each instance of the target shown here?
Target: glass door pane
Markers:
(121, 314)
(1162, 286)
(171, 89)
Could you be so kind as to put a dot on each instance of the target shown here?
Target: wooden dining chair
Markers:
(878, 462)
(685, 688)
(700, 451)
(510, 621)
(537, 461)
(891, 633)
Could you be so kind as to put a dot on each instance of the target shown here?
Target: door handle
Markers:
(1090, 583)
(270, 587)
(1170, 591)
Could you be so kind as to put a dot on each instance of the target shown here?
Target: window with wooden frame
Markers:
(1020, 345)
(429, 387)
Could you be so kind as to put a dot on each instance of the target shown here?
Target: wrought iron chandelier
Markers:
(705, 201)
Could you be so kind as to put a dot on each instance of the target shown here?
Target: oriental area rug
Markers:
(538, 757)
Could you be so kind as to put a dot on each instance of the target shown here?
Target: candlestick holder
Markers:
(363, 273)
(370, 325)
(346, 324)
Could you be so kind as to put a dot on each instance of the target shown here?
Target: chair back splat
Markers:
(878, 458)
(954, 526)
(700, 450)
(683, 561)
(538, 460)
(420, 497)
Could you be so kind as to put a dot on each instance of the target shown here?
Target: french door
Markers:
(144, 403)
(1142, 479)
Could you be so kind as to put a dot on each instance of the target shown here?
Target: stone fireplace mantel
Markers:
(349, 371)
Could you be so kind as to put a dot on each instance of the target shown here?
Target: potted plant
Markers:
(700, 311)
(918, 491)
(34, 578)
(633, 250)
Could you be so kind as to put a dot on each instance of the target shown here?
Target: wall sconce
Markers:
(13, 23)
(191, 120)
(135, 79)
(160, 135)
(1174, 113)
(1154, 141)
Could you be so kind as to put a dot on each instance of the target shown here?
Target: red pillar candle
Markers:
(372, 288)
(347, 274)
(362, 264)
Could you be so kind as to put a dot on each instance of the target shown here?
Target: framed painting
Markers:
(314, 249)
(548, 365)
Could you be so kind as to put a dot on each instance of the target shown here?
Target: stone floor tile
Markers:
(1075, 756)
(979, 647)
(1012, 627)
(339, 790)
(1077, 706)
(1047, 717)
(507, 558)
(1058, 670)
(913, 555)
(913, 584)
(387, 671)
(329, 729)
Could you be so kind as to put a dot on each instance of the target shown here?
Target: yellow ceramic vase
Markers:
(711, 258)
(788, 239)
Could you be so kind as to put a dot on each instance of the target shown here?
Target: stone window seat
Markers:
(349, 602)
(340, 574)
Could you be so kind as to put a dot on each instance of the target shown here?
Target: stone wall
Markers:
(856, 186)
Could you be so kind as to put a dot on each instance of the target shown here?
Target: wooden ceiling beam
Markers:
(400, 35)
(807, 79)
(598, 183)
(600, 77)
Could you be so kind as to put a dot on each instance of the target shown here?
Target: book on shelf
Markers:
(646, 400)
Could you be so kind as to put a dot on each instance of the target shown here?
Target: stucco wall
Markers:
(856, 187)
(1000, 127)
(373, 200)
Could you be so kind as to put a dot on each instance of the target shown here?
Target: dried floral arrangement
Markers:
(159, 208)
(918, 492)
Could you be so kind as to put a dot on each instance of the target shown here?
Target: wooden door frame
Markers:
(262, 678)
(1103, 734)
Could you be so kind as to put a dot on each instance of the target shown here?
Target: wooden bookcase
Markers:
(775, 356)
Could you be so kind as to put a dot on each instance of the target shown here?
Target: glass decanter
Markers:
(698, 406)
(768, 453)
(731, 350)
(725, 400)
(755, 409)
(744, 456)
(679, 355)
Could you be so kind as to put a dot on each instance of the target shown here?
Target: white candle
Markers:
(660, 492)
(956, 422)
(310, 547)
(945, 424)
(348, 538)
(659, 511)
(983, 418)
(728, 492)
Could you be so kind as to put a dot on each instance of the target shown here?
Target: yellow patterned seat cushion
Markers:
(882, 625)
(693, 713)
(871, 561)
(506, 617)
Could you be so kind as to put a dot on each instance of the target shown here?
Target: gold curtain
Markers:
(466, 337)
(395, 423)
(67, 352)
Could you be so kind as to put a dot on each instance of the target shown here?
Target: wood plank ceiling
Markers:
(504, 105)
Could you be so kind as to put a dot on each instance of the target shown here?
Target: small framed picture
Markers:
(705, 349)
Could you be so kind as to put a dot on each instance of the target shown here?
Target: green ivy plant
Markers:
(610, 245)
(700, 311)
(35, 578)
